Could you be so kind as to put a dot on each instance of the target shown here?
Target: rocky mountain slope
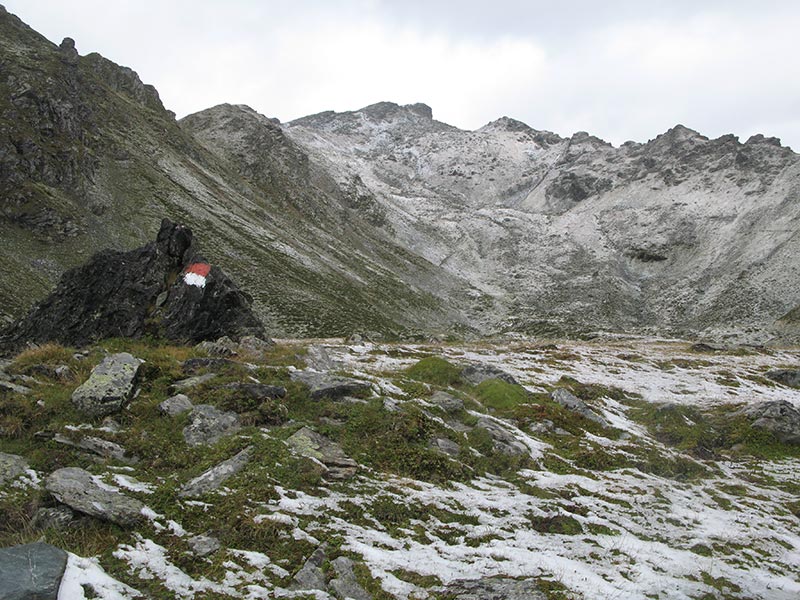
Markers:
(386, 220)
(633, 468)
(682, 234)
(90, 159)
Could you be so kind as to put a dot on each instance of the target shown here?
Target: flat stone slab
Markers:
(98, 446)
(109, 387)
(190, 382)
(80, 491)
(311, 444)
(324, 385)
(207, 425)
(216, 476)
(31, 572)
(571, 402)
(11, 467)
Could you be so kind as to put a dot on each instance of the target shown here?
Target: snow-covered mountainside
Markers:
(682, 234)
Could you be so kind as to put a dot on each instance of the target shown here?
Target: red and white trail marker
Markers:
(196, 274)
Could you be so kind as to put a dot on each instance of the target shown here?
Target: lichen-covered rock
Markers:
(164, 288)
(80, 491)
(207, 425)
(31, 572)
(11, 467)
(213, 478)
(777, 416)
(311, 444)
(571, 402)
(345, 584)
(109, 387)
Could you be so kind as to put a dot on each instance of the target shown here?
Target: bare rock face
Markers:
(164, 288)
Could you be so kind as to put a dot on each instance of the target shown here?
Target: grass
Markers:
(435, 370)
(500, 395)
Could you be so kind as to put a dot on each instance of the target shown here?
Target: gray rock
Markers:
(494, 588)
(476, 374)
(345, 585)
(571, 402)
(11, 467)
(193, 365)
(446, 402)
(504, 440)
(175, 405)
(31, 572)
(8, 387)
(254, 346)
(98, 446)
(109, 387)
(216, 476)
(324, 385)
(778, 416)
(77, 489)
(310, 444)
(790, 377)
(190, 382)
(222, 347)
(57, 517)
(207, 425)
(445, 446)
(311, 576)
(110, 424)
(203, 545)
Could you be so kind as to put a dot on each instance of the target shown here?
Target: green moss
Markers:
(500, 395)
(560, 524)
(435, 370)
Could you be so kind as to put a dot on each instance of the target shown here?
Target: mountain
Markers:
(387, 220)
(681, 235)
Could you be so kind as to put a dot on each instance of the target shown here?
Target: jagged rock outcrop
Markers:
(164, 288)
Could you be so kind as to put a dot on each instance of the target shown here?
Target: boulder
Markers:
(109, 387)
(311, 576)
(176, 405)
(207, 425)
(788, 377)
(80, 491)
(165, 288)
(447, 402)
(493, 588)
(216, 476)
(11, 467)
(504, 441)
(203, 545)
(571, 402)
(777, 416)
(318, 359)
(31, 572)
(345, 584)
(324, 385)
(310, 444)
(476, 374)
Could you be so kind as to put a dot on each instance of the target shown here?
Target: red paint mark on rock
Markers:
(195, 274)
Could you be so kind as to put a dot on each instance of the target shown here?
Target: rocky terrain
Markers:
(384, 220)
(629, 468)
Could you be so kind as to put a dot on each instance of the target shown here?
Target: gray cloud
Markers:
(621, 70)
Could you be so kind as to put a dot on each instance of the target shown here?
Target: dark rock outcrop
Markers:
(152, 290)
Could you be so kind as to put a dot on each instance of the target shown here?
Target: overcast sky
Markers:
(620, 70)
